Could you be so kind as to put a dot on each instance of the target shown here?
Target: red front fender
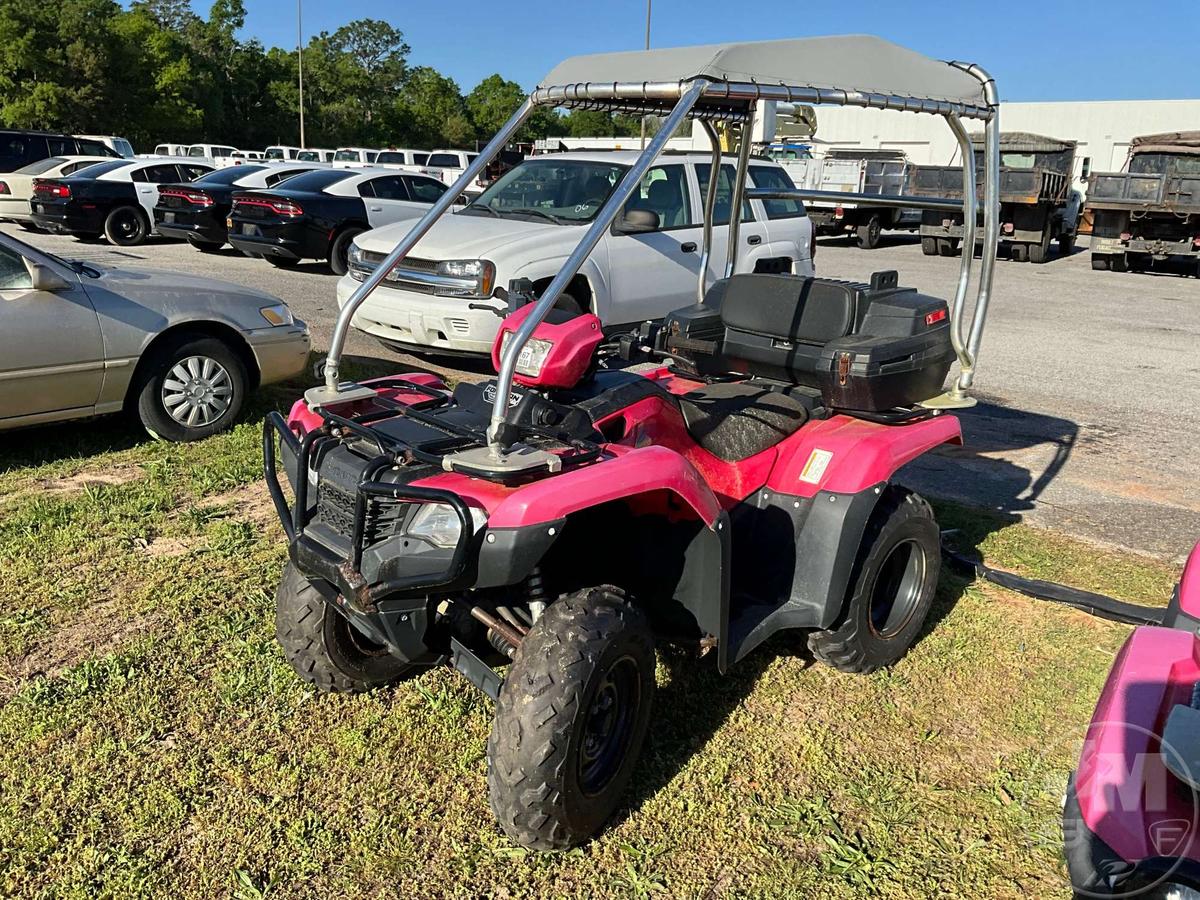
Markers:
(630, 473)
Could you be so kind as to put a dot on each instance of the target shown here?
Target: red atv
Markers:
(709, 480)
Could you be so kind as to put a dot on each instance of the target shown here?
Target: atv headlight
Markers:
(481, 270)
(532, 356)
(279, 314)
(438, 523)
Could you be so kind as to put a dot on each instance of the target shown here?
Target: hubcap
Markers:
(897, 589)
(127, 226)
(197, 391)
(608, 726)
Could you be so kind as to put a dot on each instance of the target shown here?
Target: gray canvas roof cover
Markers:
(1027, 142)
(862, 63)
(1187, 142)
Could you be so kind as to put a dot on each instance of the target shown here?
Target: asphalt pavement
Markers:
(1088, 382)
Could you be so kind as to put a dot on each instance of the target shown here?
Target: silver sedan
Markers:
(179, 352)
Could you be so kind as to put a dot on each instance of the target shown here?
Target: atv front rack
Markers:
(345, 573)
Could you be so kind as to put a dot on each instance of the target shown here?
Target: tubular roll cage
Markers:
(711, 101)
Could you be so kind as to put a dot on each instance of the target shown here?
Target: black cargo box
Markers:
(868, 347)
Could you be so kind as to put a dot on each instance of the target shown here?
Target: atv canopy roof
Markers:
(854, 70)
(1168, 142)
(1027, 142)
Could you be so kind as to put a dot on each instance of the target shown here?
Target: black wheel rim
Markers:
(358, 642)
(608, 725)
(897, 589)
(127, 226)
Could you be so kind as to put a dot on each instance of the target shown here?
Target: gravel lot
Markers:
(1089, 382)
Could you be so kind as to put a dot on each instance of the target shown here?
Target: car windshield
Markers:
(41, 166)
(390, 156)
(443, 160)
(565, 190)
(124, 147)
(196, 151)
(317, 180)
(274, 153)
(227, 176)
(346, 155)
(308, 156)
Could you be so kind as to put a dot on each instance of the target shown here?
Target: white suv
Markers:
(526, 224)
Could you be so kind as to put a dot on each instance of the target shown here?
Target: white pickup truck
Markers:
(448, 165)
(440, 299)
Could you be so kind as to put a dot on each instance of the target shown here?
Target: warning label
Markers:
(818, 462)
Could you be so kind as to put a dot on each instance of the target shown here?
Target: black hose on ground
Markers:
(1093, 604)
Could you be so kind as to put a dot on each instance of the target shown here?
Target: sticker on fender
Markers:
(818, 462)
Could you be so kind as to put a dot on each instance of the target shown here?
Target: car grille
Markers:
(409, 262)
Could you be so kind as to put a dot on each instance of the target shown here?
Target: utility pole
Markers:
(647, 47)
(300, 64)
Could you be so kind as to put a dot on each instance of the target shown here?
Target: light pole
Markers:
(647, 47)
(300, 66)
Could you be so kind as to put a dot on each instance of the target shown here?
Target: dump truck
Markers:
(1038, 205)
(857, 171)
(1150, 211)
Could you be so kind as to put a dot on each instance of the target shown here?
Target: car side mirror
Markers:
(638, 221)
(46, 279)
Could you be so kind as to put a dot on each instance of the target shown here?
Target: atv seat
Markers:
(735, 420)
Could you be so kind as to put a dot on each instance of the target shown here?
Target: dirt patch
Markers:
(166, 546)
(94, 631)
(250, 502)
(90, 478)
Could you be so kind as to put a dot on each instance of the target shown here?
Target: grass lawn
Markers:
(153, 742)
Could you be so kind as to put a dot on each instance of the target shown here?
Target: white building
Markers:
(1102, 128)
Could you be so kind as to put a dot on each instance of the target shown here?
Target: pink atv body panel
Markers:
(654, 453)
(1126, 795)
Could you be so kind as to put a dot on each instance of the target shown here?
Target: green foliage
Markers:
(159, 72)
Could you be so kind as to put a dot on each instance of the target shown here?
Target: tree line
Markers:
(158, 72)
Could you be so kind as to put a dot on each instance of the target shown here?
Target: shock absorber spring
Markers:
(535, 589)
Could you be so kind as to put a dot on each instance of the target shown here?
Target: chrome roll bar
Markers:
(970, 209)
(903, 200)
(330, 392)
(710, 204)
(604, 218)
(722, 101)
(739, 191)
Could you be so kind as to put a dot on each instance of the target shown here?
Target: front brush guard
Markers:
(317, 559)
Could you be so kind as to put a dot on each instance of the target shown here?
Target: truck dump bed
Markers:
(1163, 176)
(1024, 186)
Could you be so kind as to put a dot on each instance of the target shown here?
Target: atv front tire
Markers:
(323, 647)
(571, 719)
(895, 578)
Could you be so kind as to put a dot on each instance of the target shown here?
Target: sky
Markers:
(1093, 50)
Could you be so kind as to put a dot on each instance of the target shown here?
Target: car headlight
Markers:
(481, 270)
(438, 523)
(279, 314)
(532, 356)
(355, 256)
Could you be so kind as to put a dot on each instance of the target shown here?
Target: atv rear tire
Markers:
(571, 719)
(323, 647)
(895, 578)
